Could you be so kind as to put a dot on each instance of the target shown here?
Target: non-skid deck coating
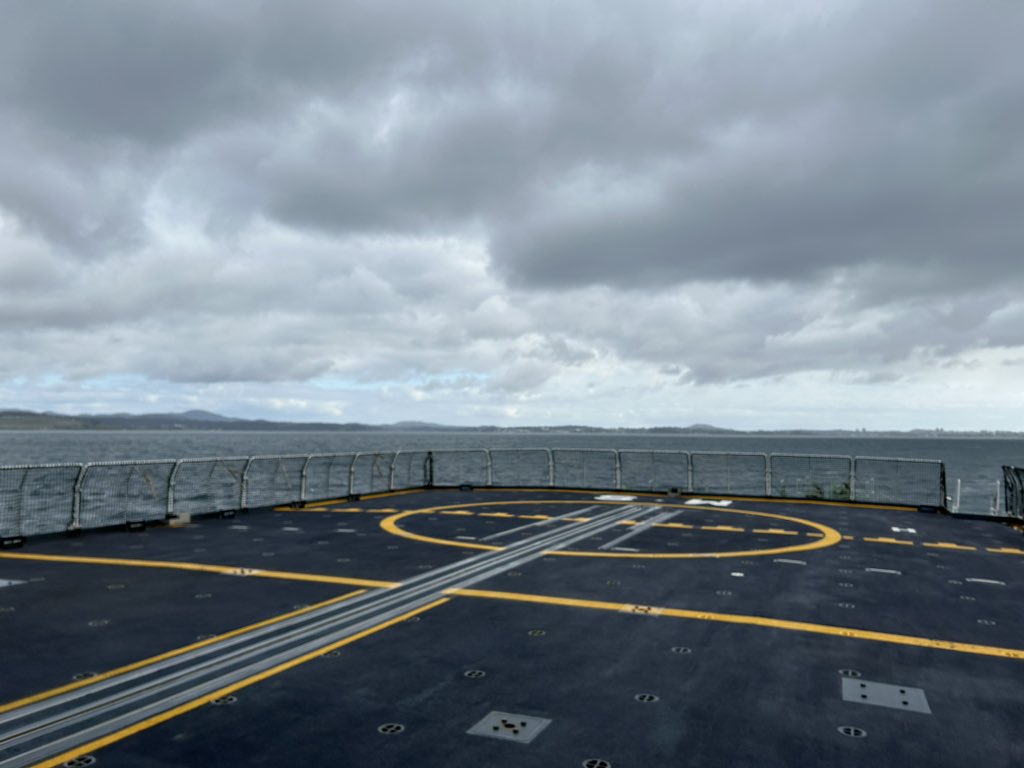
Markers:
(674, 631)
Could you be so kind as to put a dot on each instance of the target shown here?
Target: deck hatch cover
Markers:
(885, 695)
(510, 726)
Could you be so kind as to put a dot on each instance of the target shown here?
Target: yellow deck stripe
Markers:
(171, 654)
(759, 621)
(163, 717)
(948, 545)
(825, 536)
(887, 540)
(226, 570)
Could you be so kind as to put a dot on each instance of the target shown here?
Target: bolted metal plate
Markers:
(885, 695)
(510, 727)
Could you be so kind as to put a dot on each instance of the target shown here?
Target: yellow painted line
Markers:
(826, 537)
(494, 514)
(948, 545)
(170, 714)
(848, 538)
(462, 512)
(759, 621)
(728, 528)
(1006, 550)
(321, 578)
(225, 570)
(673, 525)
(390, 524)
(887, 540)
(814, 535)
(588, 497)
(534, 517)
(584, 520)
(776, 531)
(171, 654)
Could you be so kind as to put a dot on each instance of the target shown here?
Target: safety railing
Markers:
(49, 498)
(1013, 491)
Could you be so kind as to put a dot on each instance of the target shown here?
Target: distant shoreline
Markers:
(204, 421)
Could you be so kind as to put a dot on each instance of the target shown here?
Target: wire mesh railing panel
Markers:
(910, 482)
(453, 468)
(1013, 491)
(123, 492)
(327, 476)
(585, 468)
(371, 472)
(811, 476)
(37, 499)
(409, 469)
(202, 486)
(526, 467)
(654, 470)
(732, 473)
(273, 480)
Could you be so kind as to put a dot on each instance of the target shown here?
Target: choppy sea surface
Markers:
(976, 462)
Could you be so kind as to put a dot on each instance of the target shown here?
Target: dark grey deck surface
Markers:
(720, 660)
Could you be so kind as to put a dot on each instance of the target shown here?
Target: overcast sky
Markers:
(756, 214)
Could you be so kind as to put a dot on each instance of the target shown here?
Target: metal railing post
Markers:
(768, 474)
(853, 478)
(391, 470)
(551, 468)
(302, 480)
(352, 473)
(76, 503)
(490, 468)
(243, 495)
(618, 471)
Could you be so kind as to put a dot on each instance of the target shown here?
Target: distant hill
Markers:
(13, 419)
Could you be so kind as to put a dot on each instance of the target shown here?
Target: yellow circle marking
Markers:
(829, 536)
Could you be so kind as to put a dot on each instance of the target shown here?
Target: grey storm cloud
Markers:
(774, 187)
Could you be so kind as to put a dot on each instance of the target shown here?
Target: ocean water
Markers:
(976, 462)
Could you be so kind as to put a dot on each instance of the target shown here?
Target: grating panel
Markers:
(510, 727)
(885, 695)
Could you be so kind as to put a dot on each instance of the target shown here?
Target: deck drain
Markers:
(955, 582)
(723, 592)
(413, 618)
(99, 622)
(203, 595)
(267, 554)
(79, 762)
(852, 732)
(845, 584)
(849, 673)
(198, 550)
(681, 649)
(343, 560)
(331, 654)
(474, 673)
(613, 582)
(846, 571)
(115, 586)
(84, 675)
(537, 633)
(299, 606)
(390, 546)
(646, 698)
(6, 609)
(987, 622)
(596, 762)
(970, 598)
(510, 727)
(514, 573)
(846, 605)
(390, 729)
(224, 701)
(885, 695)
(201, 638)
